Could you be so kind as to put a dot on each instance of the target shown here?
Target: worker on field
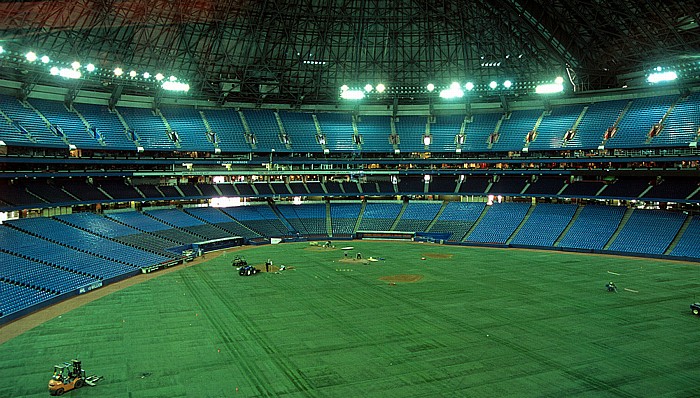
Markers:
(611, 287)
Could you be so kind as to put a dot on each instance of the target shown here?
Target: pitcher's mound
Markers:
(405, 278)
(437, 255)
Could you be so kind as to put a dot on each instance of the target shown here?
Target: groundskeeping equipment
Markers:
(69, 376)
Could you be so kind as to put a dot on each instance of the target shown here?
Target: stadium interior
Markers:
(132, 136)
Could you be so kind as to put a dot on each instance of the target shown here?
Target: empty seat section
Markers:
(648, 231)
(82, 240)
(37, 275)
(672, 188)
(298, 188)
(550, 132)
(150, 191)
(474, 185)
(344, 217)
(78, 261)
(379, 216)
(411, 130)
(582, 189)
(545, 186)
(598, 118)
(411, 184)
(149, 127)
(477, 131)
(71, 124)
(338, 130)
(315, 187)
(107, 123)
(106, 227)
(682, 124)
(499, 223)
(279, 188)
(82, 190)
(509, 185)
(31, 121)
(188, 124)
(375, 131)
(301, 129)
(593, 227)
(259, 218)
(15, 298)
(443, 184)
(689, 243)
(417, 216)
(626, 188)
(308, 219)
(443, 132)
(511, 135)
(457, 219)
(633, 129)
(227, 125)
(263, 123)
(222, 220)
(546, 222)
(16, 194)
(182, 220)
(48, 192)
(118, 189)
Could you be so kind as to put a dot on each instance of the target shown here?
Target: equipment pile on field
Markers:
(69, 376)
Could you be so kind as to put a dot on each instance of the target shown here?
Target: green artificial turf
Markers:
(482, 323)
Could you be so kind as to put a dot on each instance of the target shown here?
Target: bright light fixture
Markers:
(368, 88)
(31, 56)
(159, 76)
(427, 140)
(132, 74)
(431, 87)
(75, 65)
(118, 72)
(549, 88)
(469, 86)
(380, 88)
(662, 77)
(344, 87)
(69, 73)
(45, 59)
(172, 78)
(90, 67)
(176, 86)
(146, 75)
(493, 84)
(507, 84)
(452, 92)
(352, 94)
(454, 86)
(2, 50)
(54, 71)
(559, 80)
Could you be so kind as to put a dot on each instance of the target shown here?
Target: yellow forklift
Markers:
(69, 376)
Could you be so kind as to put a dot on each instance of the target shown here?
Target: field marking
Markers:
(633, 291)
(614, 273)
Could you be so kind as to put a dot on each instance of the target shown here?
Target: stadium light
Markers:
(2, 50)
(493, 84)
(118, 72)
(132, 74)
(380, 88)
(662, 77)
(159, 76)
(90, 67)
(551, 88)
(507, 84)
(453, 92)
(146, 75)
(469, 86)
(172, 78)
(176, 86)
(31, 56)
(344, 87)
(45, 59)
(54, 71)
(76, 65)
(69, 73)
(559, 80)
(369, 88)
(430, 87)
(352, 94)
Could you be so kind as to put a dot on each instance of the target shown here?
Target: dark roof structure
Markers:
(302, 51)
